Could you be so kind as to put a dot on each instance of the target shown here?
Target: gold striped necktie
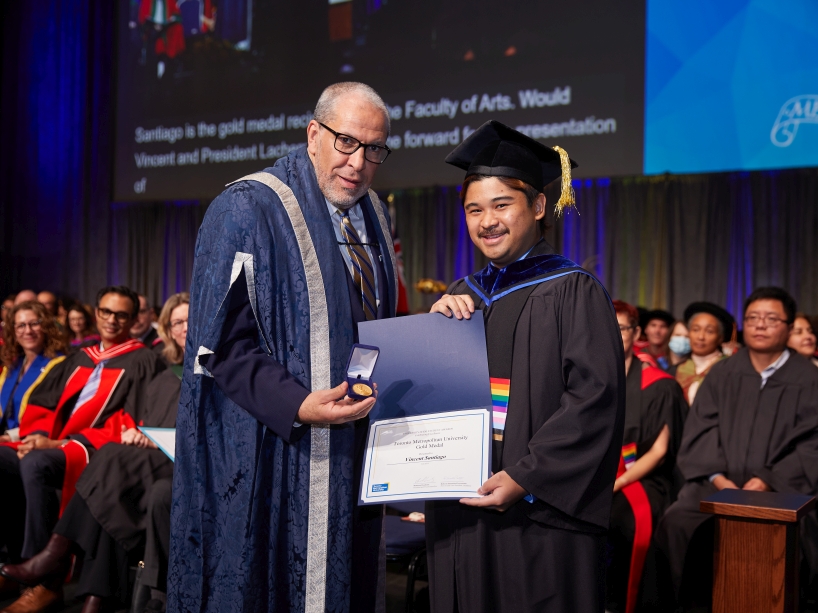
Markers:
(363, 274)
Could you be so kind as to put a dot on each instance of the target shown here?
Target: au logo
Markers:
(797, 110)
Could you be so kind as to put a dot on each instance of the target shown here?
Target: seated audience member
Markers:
(63, 304)
(654, 414)
(754, 426)
(656, 328)
(6, 307)
(802, 338)
(81, 327)
(32, 348)
(143, 328)
(153, 586)
(679, 343)
(708, 324)
(80, 405)
(123, 493)
(25, 295)
(49, 301)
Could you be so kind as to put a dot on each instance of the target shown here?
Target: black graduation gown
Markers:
(117, 482)
(562, 440)
(738, 429)
(652, 401)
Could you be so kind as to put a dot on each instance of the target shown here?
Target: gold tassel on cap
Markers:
(567, 196)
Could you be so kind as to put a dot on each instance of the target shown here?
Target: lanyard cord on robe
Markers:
(362, 269)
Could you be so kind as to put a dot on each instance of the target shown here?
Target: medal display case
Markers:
(361, 365)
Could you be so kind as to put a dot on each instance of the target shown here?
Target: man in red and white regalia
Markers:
(83, 403)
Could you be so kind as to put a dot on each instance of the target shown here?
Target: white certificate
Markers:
(164, 438)
(427, 457)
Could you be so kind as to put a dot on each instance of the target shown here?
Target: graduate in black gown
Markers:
(535, 539)
(655, 410)
(104, 524)
(754, 426)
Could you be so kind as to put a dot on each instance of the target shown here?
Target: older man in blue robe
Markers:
(269, 447)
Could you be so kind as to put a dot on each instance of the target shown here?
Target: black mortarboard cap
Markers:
(728, 322)
(495, 150)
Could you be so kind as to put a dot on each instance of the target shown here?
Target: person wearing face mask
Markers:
(802, 338)
(679, 345)
(708, 324)
(753, 426)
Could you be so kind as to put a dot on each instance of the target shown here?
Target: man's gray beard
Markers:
(338, 196)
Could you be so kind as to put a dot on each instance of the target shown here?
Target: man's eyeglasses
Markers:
(626, 328)
(34, 325)
(178, 324)
(121, 316)
(348, 145)
(769, 321)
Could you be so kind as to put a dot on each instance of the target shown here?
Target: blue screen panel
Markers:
(731, 85)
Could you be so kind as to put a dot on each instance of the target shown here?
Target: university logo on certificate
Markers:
(430, 432)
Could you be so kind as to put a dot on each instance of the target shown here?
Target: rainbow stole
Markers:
(629, 454)
(499, 405)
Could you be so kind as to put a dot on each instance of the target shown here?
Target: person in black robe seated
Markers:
(144, 330)
(106, 520)
(655, 410)
(535, 538)
(754, 426)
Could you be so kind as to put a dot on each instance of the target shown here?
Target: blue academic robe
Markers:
(7, 379)
(262, 514)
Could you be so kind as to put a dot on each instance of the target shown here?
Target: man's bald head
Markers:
(25, 295)
(326, 110)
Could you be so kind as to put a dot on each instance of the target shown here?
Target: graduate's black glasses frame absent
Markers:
(346, 144)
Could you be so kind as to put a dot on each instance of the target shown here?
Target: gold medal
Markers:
(362, 389)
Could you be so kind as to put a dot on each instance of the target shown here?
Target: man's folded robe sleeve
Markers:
(251, 378)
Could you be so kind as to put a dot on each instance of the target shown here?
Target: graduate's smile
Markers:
(494, 237)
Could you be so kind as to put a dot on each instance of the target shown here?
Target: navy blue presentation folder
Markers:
(428, 364)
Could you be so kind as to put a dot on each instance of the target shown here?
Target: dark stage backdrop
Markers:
(657, 241)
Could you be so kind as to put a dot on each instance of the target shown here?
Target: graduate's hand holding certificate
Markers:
(499, 493)
(460, 306)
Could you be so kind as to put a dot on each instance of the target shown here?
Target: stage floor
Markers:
(395, 593)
